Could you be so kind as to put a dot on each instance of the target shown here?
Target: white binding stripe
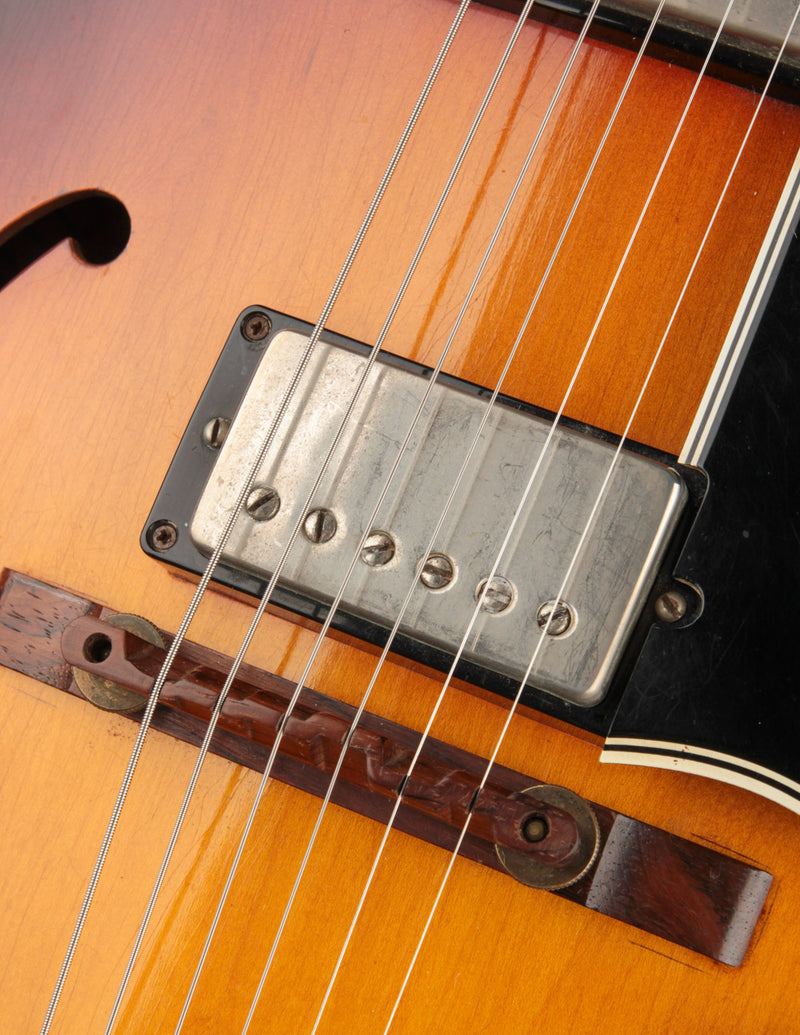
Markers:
(737, 342)
(683, 757)
(686, 758)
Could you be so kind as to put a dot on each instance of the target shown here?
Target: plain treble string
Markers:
(478, 605)
(612, 466)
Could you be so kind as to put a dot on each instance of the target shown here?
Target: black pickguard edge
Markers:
(730, 682)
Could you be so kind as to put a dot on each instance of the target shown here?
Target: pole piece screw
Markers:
(319, 525)
(437, 572)
(499, 595)
(378, 549)
(562, 617)
(256, 326)
(263, 503)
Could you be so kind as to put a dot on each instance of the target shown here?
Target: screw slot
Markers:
(670, 606)
(97, 647)
(320, 525)
(216, 431)
(162, 535)
(499, 596)
(256, 326)
(378, 549)
(563, 617)
(263, 503)
(438, 571)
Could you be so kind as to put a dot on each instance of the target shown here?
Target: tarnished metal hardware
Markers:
(262, 503)
(533, 871)
(256, 326)
(670, 606)
(495, 597)
(609, 581)
(750, 29)
(162, 535)
(320, 525)
(105, 693)
(215, 432)
(378, 549)
(555, 617)
(438, 571)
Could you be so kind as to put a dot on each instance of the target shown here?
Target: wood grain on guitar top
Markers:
(246, 140)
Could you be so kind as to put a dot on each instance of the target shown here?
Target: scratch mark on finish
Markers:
(725, 848)
(667, 956)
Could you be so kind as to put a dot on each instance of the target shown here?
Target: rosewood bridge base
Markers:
(646, 877)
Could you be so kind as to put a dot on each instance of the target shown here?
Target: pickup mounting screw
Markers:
(378, 549)
(670, 606)
(561, 621)
(437, 572)
(162, 535)
(319, 525)
(263, 503)
(256, 326)
(216, 431)
(499, 595)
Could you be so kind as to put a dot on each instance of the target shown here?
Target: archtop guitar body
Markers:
(246, 140)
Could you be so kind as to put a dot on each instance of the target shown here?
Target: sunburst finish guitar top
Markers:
(246, 141)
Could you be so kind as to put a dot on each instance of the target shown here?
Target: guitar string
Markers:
(203, 750)
(278, 572)
(562, 589)
(518, 511)
(312, 836)
(212, 724)
(246, 490)
(227, 531)
(522, 18)
(434, 534)
(331, 613)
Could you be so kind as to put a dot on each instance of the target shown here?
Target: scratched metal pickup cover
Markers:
(610, 573)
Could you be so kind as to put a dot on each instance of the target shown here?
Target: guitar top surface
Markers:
(245, 141)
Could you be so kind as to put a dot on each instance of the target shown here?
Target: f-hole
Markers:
(96, 224)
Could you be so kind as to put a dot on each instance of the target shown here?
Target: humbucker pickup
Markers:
(549, 544)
